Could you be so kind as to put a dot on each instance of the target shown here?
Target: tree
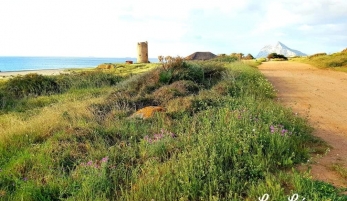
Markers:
(248, 57)
(239, 56)
(276, 56)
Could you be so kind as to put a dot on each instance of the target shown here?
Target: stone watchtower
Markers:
(142, 52)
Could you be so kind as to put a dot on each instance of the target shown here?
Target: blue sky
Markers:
(111, 28)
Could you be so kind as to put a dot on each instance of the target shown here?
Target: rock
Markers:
(147, 112)
(106, 66)
(129, 62)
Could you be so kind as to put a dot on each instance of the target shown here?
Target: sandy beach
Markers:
(42, 72)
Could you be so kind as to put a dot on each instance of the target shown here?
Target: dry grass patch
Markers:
(43, 122)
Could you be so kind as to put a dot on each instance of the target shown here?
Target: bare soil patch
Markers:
(321, 97)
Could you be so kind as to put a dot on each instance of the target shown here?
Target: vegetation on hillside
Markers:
(21, 89)
(23, 92)
(336, 61)
(222, 137)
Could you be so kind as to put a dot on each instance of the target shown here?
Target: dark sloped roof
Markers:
(201, 56)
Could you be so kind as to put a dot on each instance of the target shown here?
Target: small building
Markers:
(201, 56)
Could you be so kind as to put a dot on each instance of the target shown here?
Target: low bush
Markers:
(225, 58)
(31, 85)
(261, 59)
(317, 55)
(174, 90)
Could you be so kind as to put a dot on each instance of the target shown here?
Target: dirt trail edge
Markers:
(321, 97)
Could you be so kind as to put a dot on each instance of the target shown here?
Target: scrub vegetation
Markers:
(221, 137)
(336, 61)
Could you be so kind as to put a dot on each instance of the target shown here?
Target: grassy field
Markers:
(336, 61)
(222, 136)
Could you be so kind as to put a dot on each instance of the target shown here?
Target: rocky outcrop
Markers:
(147, 112)
(106, 66)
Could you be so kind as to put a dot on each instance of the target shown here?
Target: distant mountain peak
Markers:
(279, 48)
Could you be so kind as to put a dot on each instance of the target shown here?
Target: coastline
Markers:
(9, 74)
(24, 72)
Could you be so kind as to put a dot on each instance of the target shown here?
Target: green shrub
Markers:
(31, 85)
(276, 56)
(335, 64)
(261, 59)
(225, 58)
(174, 90)
(165, 76)
(86, 79)
(188, 71)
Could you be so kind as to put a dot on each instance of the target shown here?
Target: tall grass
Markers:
(28, 89)
(221, 138)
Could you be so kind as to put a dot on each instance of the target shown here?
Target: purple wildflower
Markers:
(104, 160)
(148, 139)
(279, 129)
(90, 163)
(157, 137)
(272, 129)
(25, 179)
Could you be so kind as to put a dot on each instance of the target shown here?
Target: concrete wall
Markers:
(142, 52)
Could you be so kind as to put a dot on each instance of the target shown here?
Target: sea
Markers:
(9, 64)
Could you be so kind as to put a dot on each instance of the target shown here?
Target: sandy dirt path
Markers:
(321, 97)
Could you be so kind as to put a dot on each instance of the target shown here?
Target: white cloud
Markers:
(113, 27)
(305, 27)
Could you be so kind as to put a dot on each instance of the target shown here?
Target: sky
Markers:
(112, 28)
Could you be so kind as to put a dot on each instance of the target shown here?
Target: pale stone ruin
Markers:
(142, 52)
